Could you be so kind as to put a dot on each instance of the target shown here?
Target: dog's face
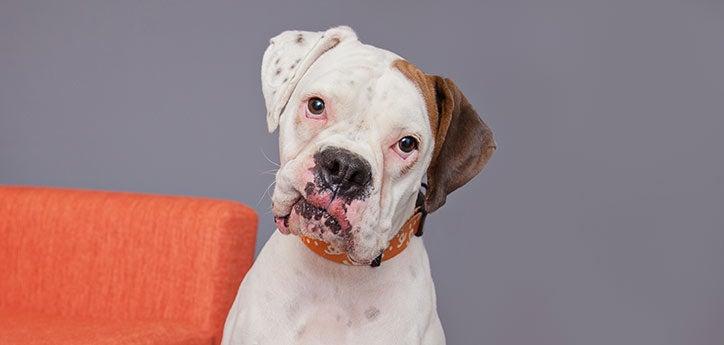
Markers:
(359, 129)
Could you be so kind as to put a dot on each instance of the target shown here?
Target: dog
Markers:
(359, 130)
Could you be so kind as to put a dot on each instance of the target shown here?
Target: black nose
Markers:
(343, 171)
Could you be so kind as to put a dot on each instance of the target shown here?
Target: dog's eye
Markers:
(315, 105)
(407, 144)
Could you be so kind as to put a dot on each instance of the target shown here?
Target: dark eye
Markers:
(407, 144)
(315, 105)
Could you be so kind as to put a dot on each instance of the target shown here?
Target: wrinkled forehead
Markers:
(350, 64)
(363, 84)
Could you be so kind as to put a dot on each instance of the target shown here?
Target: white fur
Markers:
(293, 296)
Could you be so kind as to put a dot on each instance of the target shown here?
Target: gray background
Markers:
(600, 220)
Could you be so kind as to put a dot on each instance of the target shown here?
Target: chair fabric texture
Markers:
(95, 267)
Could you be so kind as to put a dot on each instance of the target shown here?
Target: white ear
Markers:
(288, 57)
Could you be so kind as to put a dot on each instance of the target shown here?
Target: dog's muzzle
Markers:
(340, 179)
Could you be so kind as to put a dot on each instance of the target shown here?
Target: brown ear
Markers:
(463, 142)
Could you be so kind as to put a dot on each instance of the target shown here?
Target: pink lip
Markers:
(335, 208)
(282, 224)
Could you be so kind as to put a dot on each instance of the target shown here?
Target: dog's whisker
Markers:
(266, 192)
(269, 172)
(269, 159)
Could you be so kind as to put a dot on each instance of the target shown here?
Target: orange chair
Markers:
(87, 267)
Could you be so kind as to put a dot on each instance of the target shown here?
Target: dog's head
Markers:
(359, 129)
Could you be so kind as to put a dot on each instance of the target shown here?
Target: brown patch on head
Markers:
(427, 88)
(300, 38)
(463, 142)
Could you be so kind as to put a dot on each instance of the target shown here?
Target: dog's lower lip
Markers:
(283, 218)
(282, 223)
(309, 210)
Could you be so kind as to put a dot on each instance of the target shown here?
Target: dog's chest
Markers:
(324, 318)
(286, 299)
(339, 322)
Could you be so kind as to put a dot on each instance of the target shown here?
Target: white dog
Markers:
(359, 128)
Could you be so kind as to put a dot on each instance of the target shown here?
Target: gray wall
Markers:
(600, 220)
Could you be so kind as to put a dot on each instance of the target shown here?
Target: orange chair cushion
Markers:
(37, 329)
(91, 255)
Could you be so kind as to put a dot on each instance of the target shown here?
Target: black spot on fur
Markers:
(309, 211)
(309, 188)
(372, 313)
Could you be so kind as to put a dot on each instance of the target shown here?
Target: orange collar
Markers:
(397, 244)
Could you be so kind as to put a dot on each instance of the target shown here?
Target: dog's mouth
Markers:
(314, 218)
(320, 216)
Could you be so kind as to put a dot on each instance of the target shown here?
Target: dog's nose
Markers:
(344, 171)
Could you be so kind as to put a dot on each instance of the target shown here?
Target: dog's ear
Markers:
(463, 143)
(288, 57)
